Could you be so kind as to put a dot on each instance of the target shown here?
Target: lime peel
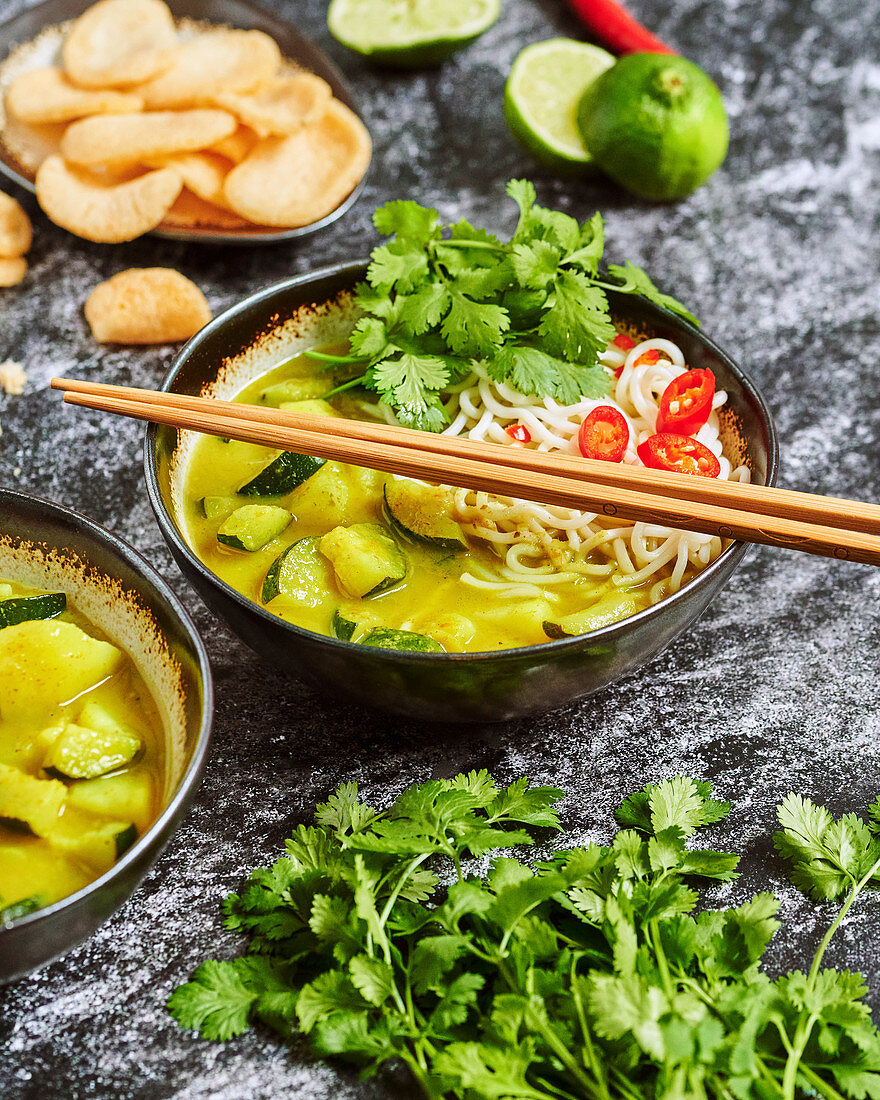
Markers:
(541, 99)
(409, 33)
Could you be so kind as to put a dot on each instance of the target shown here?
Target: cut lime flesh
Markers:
(409, 32)
(542, 94)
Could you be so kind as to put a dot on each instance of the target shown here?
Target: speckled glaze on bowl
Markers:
(47, 546)
(32, 21)
(315, 309)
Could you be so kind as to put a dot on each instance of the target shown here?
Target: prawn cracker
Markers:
(104, 210)
(146, 305)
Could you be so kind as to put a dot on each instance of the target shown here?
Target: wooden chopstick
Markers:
(818, 525)
(839, 512)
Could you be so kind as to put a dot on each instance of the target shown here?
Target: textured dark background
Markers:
(777, 688)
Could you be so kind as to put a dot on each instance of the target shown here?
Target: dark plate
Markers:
(74, 555)
(449, 687)
(234, 13)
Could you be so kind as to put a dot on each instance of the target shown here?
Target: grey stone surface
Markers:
(777, 688)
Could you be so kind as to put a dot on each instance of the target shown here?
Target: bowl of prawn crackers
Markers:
(209, 120)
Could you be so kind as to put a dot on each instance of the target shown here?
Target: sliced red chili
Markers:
(678, 453)
(687, 402)
(652, 355)
(624, 342)
(604, 434)
(519, 432)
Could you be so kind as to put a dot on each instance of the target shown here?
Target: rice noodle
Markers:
(541, 547)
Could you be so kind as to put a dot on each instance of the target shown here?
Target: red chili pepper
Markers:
(679, 454)
(686, 402)
(604, 434)
(519, 432)
(617, 28)
(652, 355)
(624, 342)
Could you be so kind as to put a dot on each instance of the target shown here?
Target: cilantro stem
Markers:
(822, 1087)
(805, 1023)
(550, 1037)
(486, 245)
(326, 357)
(589, 1053)
(393, 896)
(662, 962)
(350, 385)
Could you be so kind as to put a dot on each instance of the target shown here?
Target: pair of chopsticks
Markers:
(827, 526)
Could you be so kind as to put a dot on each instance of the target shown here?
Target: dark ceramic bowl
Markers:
(315, 309)
(36, 20)
(47, 546)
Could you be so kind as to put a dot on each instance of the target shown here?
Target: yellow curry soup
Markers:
(447, 594)
(81, 751)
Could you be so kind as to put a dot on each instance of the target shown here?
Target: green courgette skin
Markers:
(411, 530)
(125, 839)
(284, 474)
(19, 909)
(343, 628)
(385, 637)
(23, 609)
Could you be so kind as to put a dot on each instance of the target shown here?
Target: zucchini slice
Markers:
(294, 389)
(18, 909)
(34, 802)
(126, 796)
(386, 637)
(423, 512)
(610, 609)
(96, 845)
(344, 629)
(217, 507)
(252, 526)
(84, 753)
(300, 572)
(283, 474)
(23, 609)
(365, 558)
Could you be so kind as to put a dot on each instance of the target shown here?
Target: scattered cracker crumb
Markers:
(12, 377)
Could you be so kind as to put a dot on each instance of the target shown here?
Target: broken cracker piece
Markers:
(16, 233)
(12, 271)
(12, 378)
(146, 305)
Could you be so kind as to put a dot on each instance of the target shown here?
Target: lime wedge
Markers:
(409, 33)
(541, 99)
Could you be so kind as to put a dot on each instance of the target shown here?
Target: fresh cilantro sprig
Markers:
(532, 310)
(594, 975)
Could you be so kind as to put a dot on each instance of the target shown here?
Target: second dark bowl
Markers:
(313, 309)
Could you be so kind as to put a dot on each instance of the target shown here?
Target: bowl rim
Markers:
(732, 554)
(341, 88)
(202, 744)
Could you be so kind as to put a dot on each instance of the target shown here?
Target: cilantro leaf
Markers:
(635, 281)
(407, 220)
(217, 1000)
(576, 324)
(471, 329)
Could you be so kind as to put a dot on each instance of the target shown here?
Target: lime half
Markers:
(409, 33)
(541, 99)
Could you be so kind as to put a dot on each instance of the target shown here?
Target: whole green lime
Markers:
(656, 124)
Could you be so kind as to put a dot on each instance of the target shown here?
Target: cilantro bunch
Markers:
(532, 310)
(594, 975)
